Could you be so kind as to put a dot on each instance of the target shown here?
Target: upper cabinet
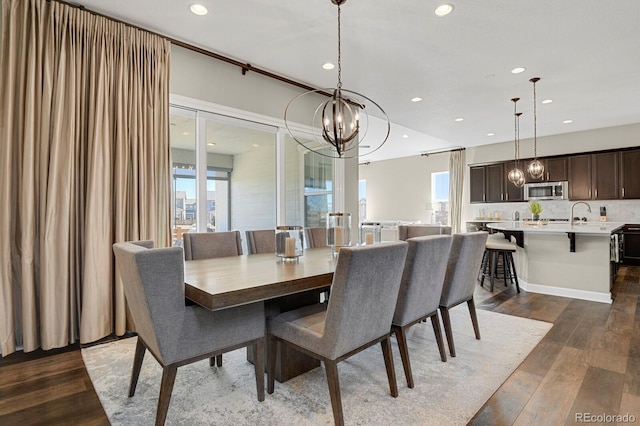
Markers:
(629, 174)
(495, 183)
(604, 175)
(477, 186)
(579, 177)
(593, 176)
(555, 169)
(487, 183)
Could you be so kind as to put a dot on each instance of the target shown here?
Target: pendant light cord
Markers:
(535, 124)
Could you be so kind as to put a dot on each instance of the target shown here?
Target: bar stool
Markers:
(497, 250)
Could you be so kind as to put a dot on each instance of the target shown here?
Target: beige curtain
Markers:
(84, 162)
(457, 166)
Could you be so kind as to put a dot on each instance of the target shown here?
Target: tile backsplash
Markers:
(617, 210)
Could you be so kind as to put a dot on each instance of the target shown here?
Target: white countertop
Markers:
(603, 228)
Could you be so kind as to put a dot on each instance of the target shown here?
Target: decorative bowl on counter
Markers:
(541, 222)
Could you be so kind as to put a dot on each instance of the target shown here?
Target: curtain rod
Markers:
(428, 153)
(242, 65)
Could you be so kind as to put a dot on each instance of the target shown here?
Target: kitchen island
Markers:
(563, 259)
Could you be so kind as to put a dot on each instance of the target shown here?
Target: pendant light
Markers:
(341, 121)
(536, 168)
(516, 175)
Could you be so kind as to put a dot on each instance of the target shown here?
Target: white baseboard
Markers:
(565, 292)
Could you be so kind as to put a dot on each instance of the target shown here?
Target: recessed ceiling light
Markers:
(547, 101)
(185, 133)
(255, 145)
(491, 134)
(328, 66)
(459, 119)
(199, 9)
(567, 121)
(405, 136)
(211, 144)
(518, 70)
(443, 10)
(416, 99)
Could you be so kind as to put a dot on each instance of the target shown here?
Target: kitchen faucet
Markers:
(573, 205)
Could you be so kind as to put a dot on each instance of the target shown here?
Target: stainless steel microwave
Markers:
(546, 191)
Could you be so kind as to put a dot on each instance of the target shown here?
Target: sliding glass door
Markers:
(236, 174)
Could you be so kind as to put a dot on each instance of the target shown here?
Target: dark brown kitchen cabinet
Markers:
(476, 178)
(494, 186)
(512, 192)
(579, 168)
(593, 176)
(555, 169)
(487, 183)
(629, 162)
(605, 176)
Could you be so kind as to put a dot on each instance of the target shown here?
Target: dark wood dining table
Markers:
(284, 285)
(238, 280)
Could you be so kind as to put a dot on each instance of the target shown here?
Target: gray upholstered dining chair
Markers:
(316, 237)
(363, 297)
(420, 292)
(209, 245)
(176, 334)
(411, 231)
(262, 241)
(460, 279)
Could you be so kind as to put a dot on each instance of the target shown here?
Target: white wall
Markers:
(400, 189)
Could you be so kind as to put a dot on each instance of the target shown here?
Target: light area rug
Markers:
(445, 392)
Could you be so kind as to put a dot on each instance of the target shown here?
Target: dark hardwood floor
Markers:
(589, 362)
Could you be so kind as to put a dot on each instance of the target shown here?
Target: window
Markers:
(246, 173)
(439, 198)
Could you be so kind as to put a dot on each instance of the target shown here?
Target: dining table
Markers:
(283, 285)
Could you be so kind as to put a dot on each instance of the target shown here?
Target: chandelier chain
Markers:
(339, 51)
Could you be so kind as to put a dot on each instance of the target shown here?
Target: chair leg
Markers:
(212, 361)
(435, 322)
(272, 348)
(219, 360)
(493, 265)
(504, 268)
(166, 386)
(331, 367)
(388, 363)
(258, 363)
(401, 336)
(474, 318)
(137, 364)
(446, 321)
(483, 266)
(514, 275)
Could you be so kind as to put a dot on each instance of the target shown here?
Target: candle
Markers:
(337, 236)
(368, 238)
(290, 247)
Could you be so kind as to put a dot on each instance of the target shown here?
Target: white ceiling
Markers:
(587, 53)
